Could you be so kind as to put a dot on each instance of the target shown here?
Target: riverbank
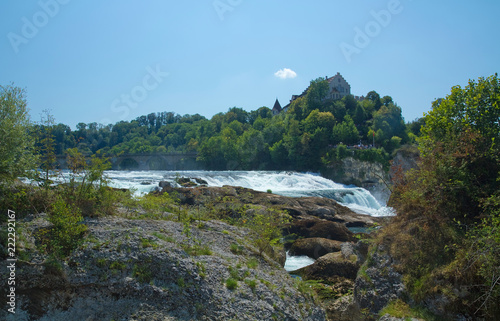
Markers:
(214, 253)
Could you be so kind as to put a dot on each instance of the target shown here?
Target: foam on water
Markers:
(293, 263)
(282, 183)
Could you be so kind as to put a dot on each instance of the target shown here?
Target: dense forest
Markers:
(302, 138)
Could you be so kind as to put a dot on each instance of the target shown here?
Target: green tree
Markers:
(448, 209)
(346, 132)
(47, 148)
(317, 119)
(374, 97)
(316, 93)
(17, 155)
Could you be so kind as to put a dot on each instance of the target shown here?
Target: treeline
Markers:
(446, 236)
(302, 138)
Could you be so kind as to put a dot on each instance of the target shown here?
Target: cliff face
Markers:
(156, 270)
(369, 175)
(372, 175)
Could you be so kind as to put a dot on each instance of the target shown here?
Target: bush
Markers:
(67, 231)
(24, 199)
(231, 283)
(446, 235)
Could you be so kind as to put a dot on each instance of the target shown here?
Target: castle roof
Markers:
(277, 105)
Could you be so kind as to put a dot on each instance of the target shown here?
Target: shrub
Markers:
(251, 283)
(231, 283)
(236, 249)
(252, 263)
(67, 231)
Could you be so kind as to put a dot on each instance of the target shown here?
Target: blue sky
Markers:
(106, 61)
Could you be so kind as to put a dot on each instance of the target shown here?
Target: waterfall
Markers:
(292, 184)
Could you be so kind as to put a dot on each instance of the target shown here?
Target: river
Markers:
(292, 184)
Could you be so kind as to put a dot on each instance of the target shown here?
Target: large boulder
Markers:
(314, 227)
(314, 247)
(329, 268)
(378, 282)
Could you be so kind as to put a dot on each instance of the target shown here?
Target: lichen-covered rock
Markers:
(314, 247)
(378, 283)
(157, 270)
(344, 309)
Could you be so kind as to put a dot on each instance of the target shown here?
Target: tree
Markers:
(375, 98)
(316, 93)
(47, 147)
(346, 132)
(461, 135)
(17, 155)
(317, 119)
(449, 208)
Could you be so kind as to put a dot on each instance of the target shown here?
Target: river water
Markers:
(292, 184)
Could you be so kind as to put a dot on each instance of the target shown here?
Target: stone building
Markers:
(338, 88)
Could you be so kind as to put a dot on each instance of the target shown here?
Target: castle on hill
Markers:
(338, 88)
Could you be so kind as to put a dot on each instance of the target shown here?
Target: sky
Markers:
(107, 61)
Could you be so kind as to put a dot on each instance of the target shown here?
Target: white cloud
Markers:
(285, 73)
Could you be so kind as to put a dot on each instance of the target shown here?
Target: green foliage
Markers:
(267, 228)
(17, 157)
(197, 249)
(236, 249)
(252, 263)
(346, 132)
(67, 230)
(156, 206)
(25, 199)
(447, 226)
(88, 185)
(142, 272)
(479, 259)
(296, 139)
(400, 309)
(115, 265)
(231, 284)
(251, 283)
(47, 149)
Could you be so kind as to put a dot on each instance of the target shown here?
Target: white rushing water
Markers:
(292, 184)
(293, 263)
(282, 183)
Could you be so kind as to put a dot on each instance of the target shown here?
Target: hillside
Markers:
(304, 137)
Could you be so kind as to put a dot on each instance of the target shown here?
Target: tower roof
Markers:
(277, 105)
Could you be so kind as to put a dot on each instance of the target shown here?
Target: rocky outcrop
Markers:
(344, 309)
(316, 228)
(329, 268)
(405, 159)
(156, 270)
(378, 283)
(356, 172)
(314, 247)
(297, 207)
